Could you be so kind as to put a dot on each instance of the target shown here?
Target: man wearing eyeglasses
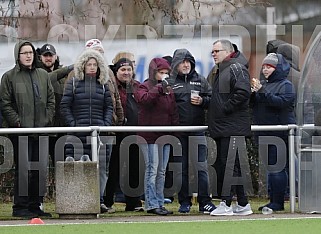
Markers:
(27, 101)
(229, 124)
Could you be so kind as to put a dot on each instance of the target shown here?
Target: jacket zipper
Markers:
(90, 101)
(34, 99)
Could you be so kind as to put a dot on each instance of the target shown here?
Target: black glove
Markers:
(165, 84)
(167, 81)
(170, 81)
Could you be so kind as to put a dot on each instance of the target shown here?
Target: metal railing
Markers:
(94, 130)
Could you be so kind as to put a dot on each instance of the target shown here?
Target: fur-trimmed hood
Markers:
(83, 59)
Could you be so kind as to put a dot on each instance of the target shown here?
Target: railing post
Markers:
(94, 148)
(292, 169)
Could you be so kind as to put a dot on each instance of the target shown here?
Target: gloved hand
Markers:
(165, 83)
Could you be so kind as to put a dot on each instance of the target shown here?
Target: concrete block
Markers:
(77, 189)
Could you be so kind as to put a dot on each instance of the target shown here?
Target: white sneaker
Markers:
(242, 210)
(222, 209)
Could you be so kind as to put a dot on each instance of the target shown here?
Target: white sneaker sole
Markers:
(222, 214)
(249, 212)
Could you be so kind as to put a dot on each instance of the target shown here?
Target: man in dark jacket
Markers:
(191, 113)
(229, 123)
(58, 74)
(27, 101)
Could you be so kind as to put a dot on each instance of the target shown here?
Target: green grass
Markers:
(198, 226)
(292, 226)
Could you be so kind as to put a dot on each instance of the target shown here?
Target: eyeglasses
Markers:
(216, 51)
(27, 53)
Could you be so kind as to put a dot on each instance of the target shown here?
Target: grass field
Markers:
(240, 226)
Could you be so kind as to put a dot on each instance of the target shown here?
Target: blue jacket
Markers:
(274, 103)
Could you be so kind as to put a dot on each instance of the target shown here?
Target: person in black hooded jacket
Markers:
(229, 123)
(191, 113)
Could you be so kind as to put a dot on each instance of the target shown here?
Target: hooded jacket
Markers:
(274, 103)
(86, 100)
(189, 114)
(228, 113)
(155, 107)
(27, 96)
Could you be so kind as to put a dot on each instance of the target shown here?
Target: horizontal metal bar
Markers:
(310, 150)
(45, 130)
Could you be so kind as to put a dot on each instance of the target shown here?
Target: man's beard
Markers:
(49, 67)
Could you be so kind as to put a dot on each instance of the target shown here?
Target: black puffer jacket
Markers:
(229, 106)
(86, 100)
(189, 114)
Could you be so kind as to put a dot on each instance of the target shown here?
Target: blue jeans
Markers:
(156, 159)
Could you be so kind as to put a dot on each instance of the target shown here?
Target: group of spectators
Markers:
(39, 92)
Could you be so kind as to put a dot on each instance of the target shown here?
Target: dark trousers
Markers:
(114, 174)
(220, 165)
(194, 156)
(277, 180)
(30, 172)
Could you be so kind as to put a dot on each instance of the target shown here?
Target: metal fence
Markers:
(95, 130)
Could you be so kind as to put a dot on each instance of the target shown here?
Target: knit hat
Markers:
(271, 59)
(157, 64)
(94, 43)
(122, 62)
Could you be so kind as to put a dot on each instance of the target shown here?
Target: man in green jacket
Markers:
(27, 101)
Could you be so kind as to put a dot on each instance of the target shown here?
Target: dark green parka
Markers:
(26, 95)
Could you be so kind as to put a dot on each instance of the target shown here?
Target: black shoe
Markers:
(103, 208)
(168, 211)
(41, 213)
(157, 211)
(24, 214)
